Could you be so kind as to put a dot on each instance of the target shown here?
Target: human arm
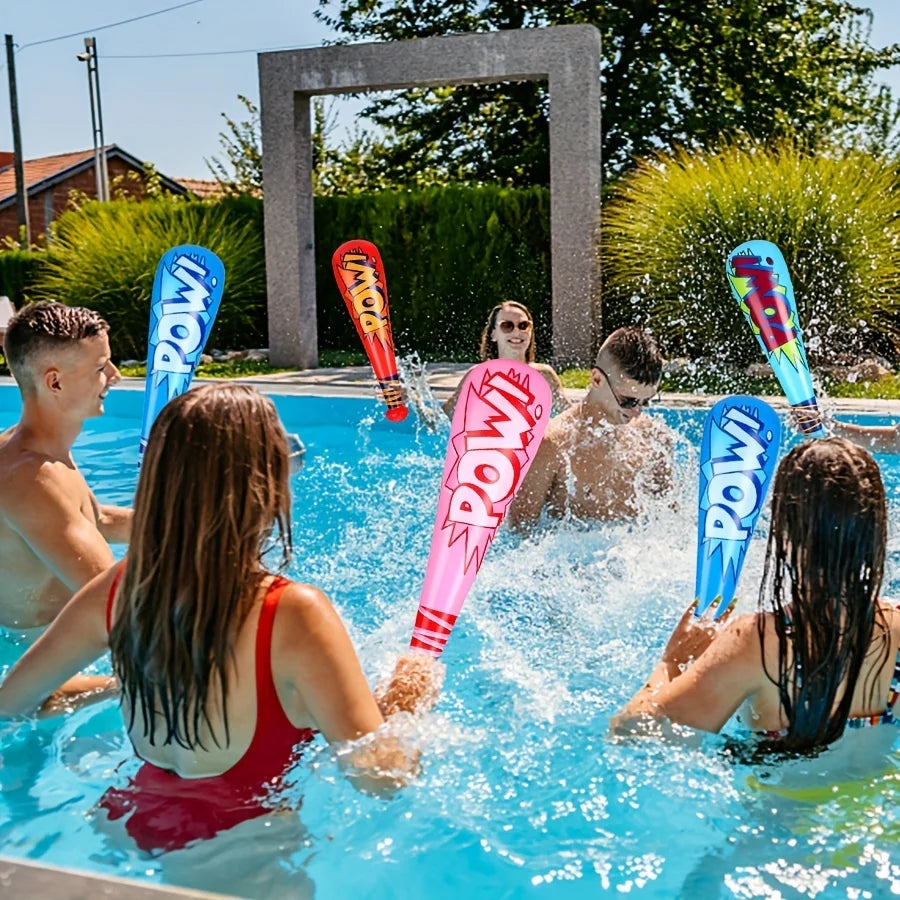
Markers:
(114, 523)
(46, 675)
(328, 686)
(703, 677)
(877, 438)
(536, 489)
(559, 400)
(449, 405)
(43, 504)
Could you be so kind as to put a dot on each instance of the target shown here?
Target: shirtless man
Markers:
(53, 532)
(600, 455)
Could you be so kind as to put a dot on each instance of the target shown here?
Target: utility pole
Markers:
(21, 192)
(100, 170)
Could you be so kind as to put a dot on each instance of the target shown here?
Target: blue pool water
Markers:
(522, 793)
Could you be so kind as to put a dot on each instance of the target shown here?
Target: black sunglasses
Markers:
(506, 326)
(626, 402)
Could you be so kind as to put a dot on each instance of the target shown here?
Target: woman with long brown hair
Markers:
(225, 668)
(823, 652)
(509, 334)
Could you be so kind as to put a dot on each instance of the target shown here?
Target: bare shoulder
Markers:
(305, 611)
(740, 636)
(37, 479)
(547, 371)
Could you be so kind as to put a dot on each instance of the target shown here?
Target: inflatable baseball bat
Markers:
(760, 281)
(359, 273)
(498, 424)
(741, 437)
(187, 291)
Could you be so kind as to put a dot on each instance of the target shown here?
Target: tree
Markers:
(673, 72)
(241, 172)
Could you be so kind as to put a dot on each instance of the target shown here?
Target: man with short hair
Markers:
(600, 456)
(53, 532)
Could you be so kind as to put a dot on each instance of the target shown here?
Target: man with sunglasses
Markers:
(600, 457)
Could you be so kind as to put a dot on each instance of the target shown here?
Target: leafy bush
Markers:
(18, 272)
(450, 254)
(673, 220)
(104, 256)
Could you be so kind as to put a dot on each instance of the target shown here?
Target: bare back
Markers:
(762, 710)
(45, 504)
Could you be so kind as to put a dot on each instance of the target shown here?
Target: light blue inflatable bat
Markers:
(186, 295)
(761, 284)
(738, 453)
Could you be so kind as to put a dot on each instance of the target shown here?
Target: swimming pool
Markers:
(522, 793)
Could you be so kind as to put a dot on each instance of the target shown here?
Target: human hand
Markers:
(414, 685)
(805, 421)
(691, 638)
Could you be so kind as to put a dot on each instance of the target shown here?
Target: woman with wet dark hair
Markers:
(821, 654)
(509, 334)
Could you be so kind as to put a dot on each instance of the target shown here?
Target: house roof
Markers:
(47, 171)
(203, 188)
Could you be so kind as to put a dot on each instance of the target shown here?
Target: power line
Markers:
(62, 37)
(211, 52)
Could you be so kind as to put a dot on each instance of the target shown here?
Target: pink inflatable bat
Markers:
(503, 410)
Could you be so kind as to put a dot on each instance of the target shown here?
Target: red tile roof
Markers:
(52, 169)
(37, 170)
(202, 188)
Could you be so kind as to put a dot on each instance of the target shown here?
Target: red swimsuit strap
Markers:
(110, 598)
(269, 712)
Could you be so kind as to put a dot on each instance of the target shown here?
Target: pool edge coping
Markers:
(358, 382)
(28, 878)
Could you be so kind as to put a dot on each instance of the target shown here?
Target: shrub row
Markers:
(672, 221)
(451, 253)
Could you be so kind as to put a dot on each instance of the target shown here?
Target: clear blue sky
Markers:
(167, 110)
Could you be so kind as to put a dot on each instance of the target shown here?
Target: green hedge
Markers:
(18, 272)
(104, 256)
(450, 254)
(836, 217)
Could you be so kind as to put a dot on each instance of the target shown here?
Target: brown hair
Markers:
(488, 347)
(635, 352)
(213, 484)
(823, 572)
(46, 325)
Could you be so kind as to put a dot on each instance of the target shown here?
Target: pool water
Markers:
(522, 794)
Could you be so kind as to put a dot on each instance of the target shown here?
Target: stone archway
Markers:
(566, 56)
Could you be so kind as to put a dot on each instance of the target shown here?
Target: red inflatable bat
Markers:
(359, 273)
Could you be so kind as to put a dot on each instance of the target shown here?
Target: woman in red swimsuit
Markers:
(225, 669)
(823, 652)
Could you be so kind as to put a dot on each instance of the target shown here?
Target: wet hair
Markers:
(823, 571)
(46, 326)
(213, 486)
(488, 347)
(636, 354)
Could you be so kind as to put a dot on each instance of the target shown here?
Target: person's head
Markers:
(60, 355)
(509, 333)
(626, 375)
(213, 492)
(823, 571)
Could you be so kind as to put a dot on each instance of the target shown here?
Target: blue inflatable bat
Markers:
(186, 295)
(737, 462)
(761, 284)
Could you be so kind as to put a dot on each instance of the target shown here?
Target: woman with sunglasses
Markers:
(600, 459)
(509, 334)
